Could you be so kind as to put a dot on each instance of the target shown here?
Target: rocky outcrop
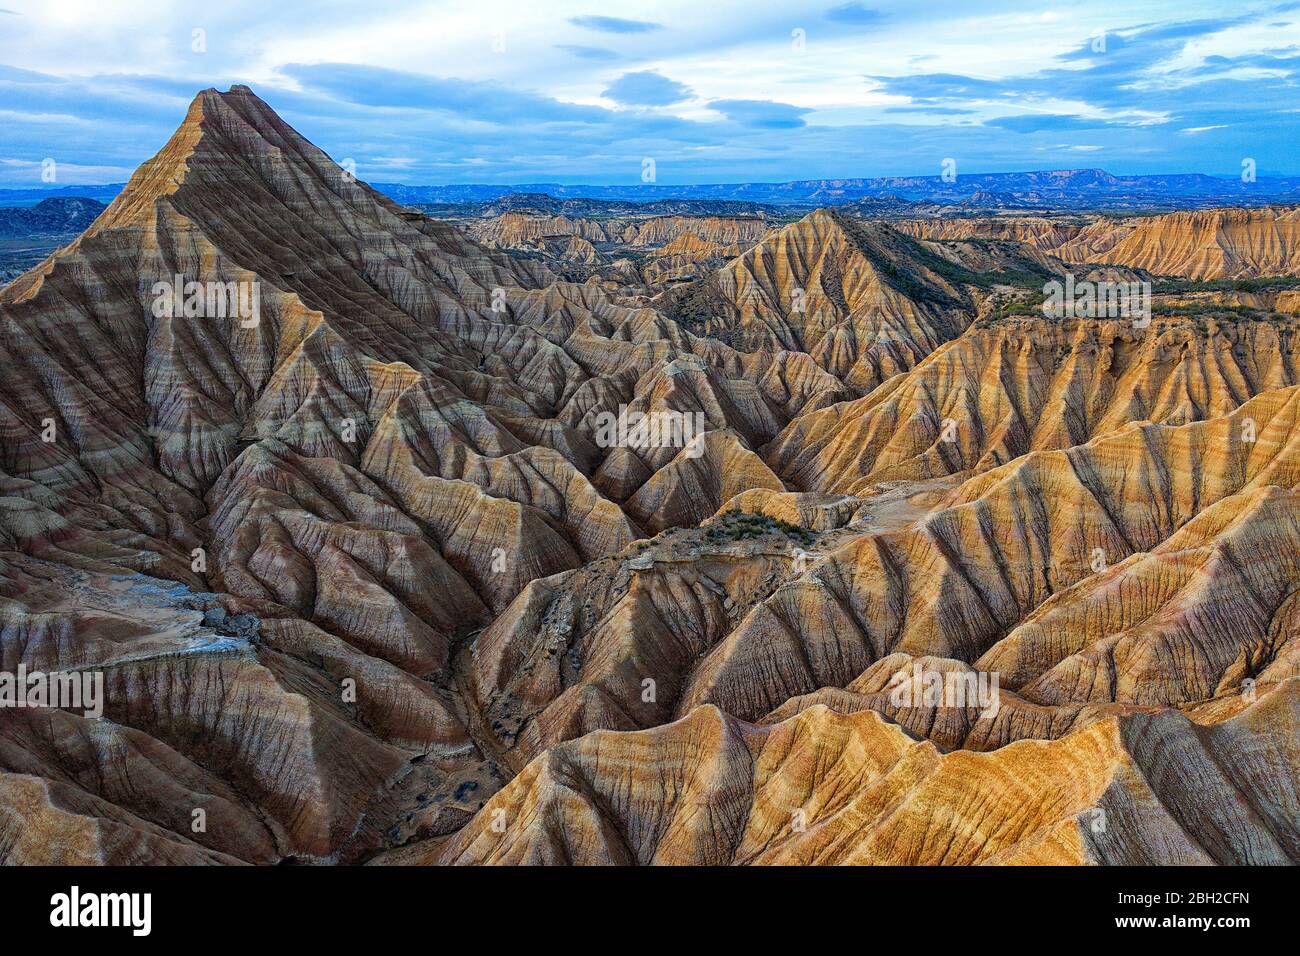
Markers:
(821, 788)
(1026, 385)
(1228, 243)
(680, 233)
(1200, 244)
(858, 298)
(645, 521)
(514, 229)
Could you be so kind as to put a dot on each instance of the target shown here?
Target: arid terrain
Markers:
(700, 532)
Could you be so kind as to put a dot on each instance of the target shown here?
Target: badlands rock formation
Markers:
(1225, 243)
(821, 788)
(391, 543)
(863, 301)
(642, 255)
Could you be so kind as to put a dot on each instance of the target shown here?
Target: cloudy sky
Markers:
(444, 91)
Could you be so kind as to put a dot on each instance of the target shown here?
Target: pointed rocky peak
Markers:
(826, 246)
(230, 142)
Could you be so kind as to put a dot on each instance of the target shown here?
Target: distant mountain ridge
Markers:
(550, 205)
(29, 233)
(57, 216)
(30, 197)
(1068, 189)
(1061, 189)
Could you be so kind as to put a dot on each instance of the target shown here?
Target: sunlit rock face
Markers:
(1223, 243)
(380, 539)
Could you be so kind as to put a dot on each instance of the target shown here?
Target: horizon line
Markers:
(22, 187)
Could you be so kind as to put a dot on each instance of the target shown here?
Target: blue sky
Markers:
(584, 92)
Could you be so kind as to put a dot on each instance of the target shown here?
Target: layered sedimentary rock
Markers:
(1105, 574)
(382, 522)
(212, 712)
(956, 583)
(821, 788)
(1196, 244)
(1025, 385)
(1200, 244)
(670, 231)
(859, 299)
(633, 255)
(520, 228)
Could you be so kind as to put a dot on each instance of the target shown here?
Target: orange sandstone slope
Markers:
(1090, 580)
(856, 297)
(821, 788)
(1201, 244)
(361, 473)
(1021, 385)
(354, 566)
(1228, 243)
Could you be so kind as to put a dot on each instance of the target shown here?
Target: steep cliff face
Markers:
(226, 733)
(667, 231)
(1201, 244)
(522, 229)
(361, 521)
(1134, 533)
(1040, 232)
(352, 459)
